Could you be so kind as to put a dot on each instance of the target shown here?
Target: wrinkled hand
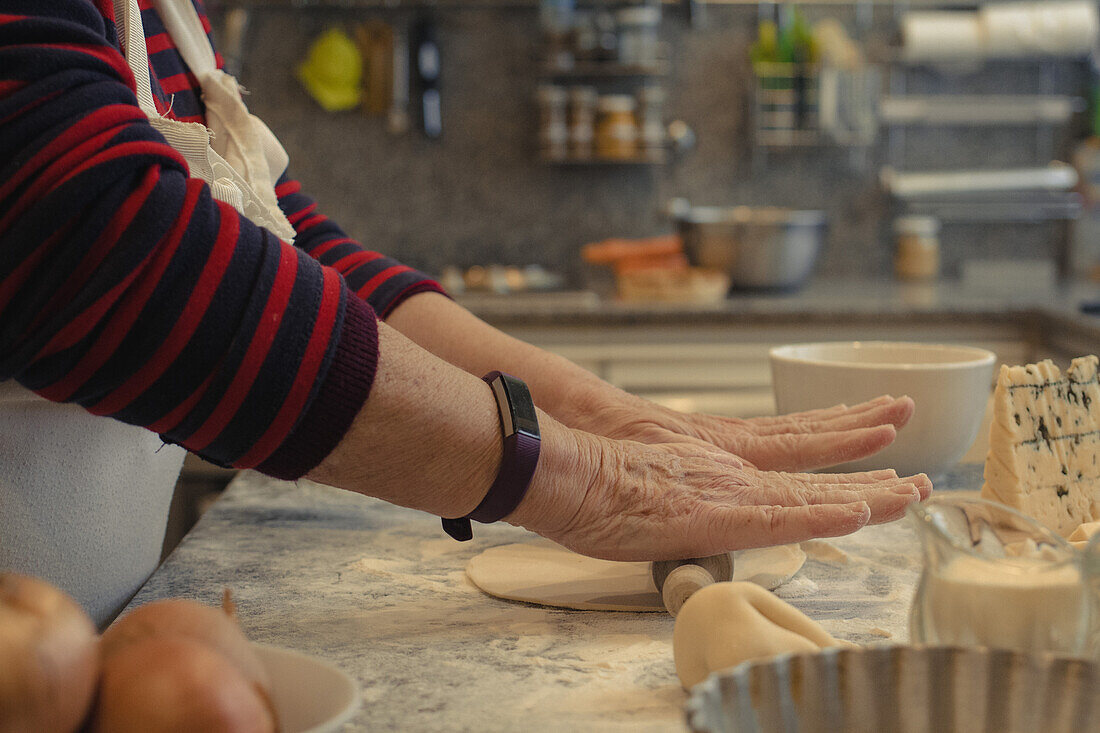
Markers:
(796, 442)
(625, 500)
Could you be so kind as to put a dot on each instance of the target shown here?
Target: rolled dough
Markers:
(546, 573)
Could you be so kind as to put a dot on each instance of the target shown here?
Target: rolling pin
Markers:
(676, 580)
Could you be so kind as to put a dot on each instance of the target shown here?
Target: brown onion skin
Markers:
(176, 685)
(179, 617)
(49, 658)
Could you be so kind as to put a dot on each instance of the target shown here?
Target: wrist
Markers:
(520, 438)
(567, 468)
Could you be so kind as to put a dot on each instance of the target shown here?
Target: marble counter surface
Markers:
(380, 591)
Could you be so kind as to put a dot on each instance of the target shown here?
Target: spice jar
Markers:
(917, 253)
(553, 131)
(617, 130)
(586, 36)
(651, 103)
(556, 19)
(582, 120)
(638, 35)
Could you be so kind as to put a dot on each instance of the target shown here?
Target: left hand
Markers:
(795, 442)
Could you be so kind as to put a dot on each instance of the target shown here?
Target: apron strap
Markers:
(182, 22)
(131, 36)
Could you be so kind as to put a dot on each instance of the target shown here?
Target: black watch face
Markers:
(521, 409)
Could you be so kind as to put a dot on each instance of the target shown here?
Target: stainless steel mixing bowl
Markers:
(760, 248)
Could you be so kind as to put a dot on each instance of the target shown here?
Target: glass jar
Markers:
(553, 130)
(994, 577)
(586, 37)
(607, 39)
(637, 30)
(582, 120)
(617, 129)
(651, 118)
(556, 20)
(917, 253)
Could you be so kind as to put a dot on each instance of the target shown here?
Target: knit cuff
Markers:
(423, 286)
(339, 398)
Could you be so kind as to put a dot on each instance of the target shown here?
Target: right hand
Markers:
(623, 500)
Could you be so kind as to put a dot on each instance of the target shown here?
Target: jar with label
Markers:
(553, 129)
(638, 28)
(586, 37)
(582, 120)
(607, 38)
(917, 256)
(617, 129)
(651, 117)
(556, 19)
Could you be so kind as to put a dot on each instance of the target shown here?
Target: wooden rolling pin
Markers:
(676, 580)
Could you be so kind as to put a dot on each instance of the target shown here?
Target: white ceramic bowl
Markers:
(949, 384)
(310, 695)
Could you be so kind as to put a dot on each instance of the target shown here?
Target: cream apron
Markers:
(84, 499)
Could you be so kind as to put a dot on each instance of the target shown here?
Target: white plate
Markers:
(310, 695)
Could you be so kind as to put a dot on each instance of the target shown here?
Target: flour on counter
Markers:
(825, 551)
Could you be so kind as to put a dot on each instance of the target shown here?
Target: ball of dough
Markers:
(724, 624)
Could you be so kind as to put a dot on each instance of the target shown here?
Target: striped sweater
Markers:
(127, 289)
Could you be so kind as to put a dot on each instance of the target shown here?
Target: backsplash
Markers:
(479, 195)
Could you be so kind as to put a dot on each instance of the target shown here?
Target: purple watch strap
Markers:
(517, 465)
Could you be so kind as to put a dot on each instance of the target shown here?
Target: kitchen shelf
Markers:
(979, 109)
(655, 158)
(1057, 177)
(1014, 210)
(605, 70)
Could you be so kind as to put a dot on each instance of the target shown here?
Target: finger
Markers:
(882, 478)
(823, 413)
(740, 527)
(859, 477)
(896, 413)
(887, 505)
(919, 483)
(797, 451)
(888, 501)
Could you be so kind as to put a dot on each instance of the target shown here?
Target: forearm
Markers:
(428, 437)
(558, 386)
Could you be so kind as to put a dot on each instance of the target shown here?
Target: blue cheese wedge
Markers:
(1044, 444)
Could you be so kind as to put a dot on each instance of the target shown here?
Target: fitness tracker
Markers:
(519, 426)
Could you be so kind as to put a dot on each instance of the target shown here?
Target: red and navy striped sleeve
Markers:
(382, 281)
(125, 288)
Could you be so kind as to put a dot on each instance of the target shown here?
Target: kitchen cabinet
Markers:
(725, 370)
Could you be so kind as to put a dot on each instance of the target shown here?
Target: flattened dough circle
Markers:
(548, 574)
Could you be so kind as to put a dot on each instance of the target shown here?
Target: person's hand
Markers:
(625, 500)
(796, 442)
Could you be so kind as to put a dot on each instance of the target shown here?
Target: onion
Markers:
(175, 684)
(49, 658)
(178, 617)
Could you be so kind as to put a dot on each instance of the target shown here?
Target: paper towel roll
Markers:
(941, 36)
(1051, 28)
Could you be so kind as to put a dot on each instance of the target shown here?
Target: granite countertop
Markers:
(381, 592)
(880, 301)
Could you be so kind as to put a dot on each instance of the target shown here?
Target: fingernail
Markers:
(907, 490)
